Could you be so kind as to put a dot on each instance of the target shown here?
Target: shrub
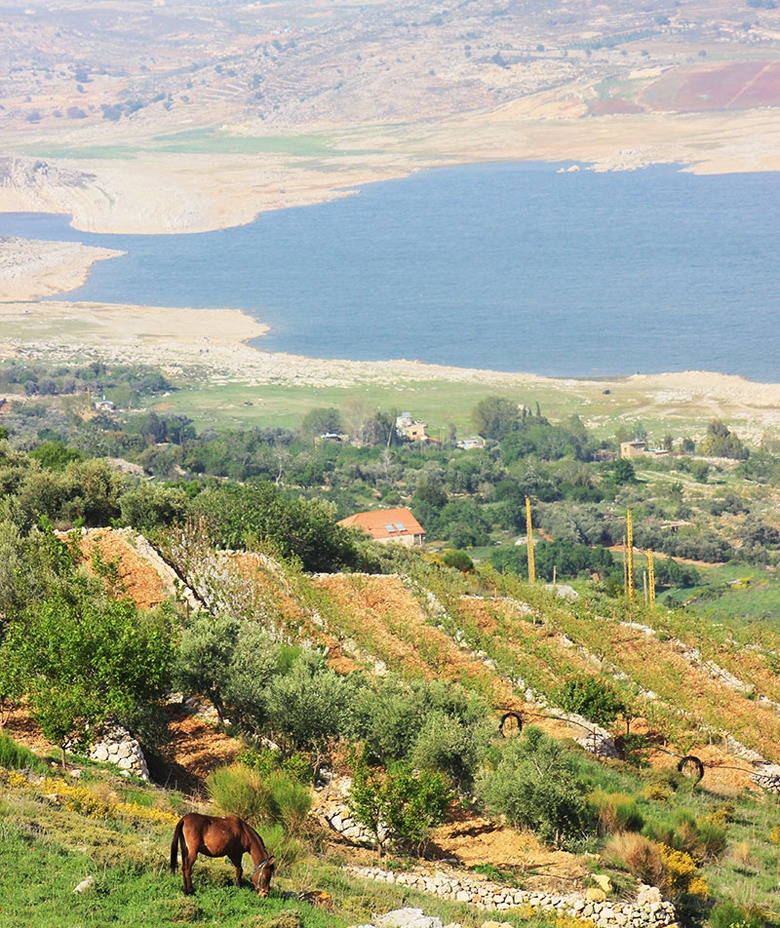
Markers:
(634, 749)
(593, 698)
(309, 707)
(447, 744)
(275, 799)
(238, 790)
(535, 784)
(290, 801)
(682, 878)
(398, 805)
(728, 915)
(713, 836)
(458, 559)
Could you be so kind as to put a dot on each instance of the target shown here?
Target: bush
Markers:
(448, 745)
(309, 707)
(728, 915)
(458, 559)
(617, 812)
(712, 837)
(238, 790)
(535, 785)
(593, 698)
(399, 805)
(275, 799)
(682, 879)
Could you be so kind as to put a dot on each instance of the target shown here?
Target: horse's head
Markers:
(261, 877)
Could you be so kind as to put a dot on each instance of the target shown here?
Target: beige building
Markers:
(632, 449)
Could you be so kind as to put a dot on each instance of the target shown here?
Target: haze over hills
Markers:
(290, 101)
(291, 64)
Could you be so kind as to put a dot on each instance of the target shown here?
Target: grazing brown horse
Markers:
(229, 837)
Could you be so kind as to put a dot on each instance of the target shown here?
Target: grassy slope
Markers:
(47, 848)
(433, 625)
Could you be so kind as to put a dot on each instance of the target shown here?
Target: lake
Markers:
(512, 267)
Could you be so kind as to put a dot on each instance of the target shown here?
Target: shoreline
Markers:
(32, 269)
(208, 191)
(211, 347)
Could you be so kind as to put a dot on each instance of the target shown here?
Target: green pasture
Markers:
(437, 402)
(46, 850)
(736, 595)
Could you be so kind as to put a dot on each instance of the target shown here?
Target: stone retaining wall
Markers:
(647, 911)
(118, 746)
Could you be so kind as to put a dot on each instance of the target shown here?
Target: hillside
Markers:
(680, 685)
(514, 647)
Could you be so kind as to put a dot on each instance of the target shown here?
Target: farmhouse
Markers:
(388, 525)
(411, 429)
(632, 449)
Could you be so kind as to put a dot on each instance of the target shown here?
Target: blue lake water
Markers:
(512, 267)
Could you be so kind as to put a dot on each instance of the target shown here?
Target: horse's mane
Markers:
(254, 837)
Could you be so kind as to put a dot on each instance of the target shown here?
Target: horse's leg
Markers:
(236, 861)
(186, 870)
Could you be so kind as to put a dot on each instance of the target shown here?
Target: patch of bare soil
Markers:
(194, 749)
(136, 576)
(724, 773)
(469, 841)
(23, 730)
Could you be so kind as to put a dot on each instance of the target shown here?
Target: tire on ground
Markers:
(691, 766)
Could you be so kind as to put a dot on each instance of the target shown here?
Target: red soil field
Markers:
(735, 86)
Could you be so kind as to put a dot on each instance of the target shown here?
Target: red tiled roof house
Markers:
(388, 525)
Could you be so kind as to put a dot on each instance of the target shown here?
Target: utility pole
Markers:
(530, 529)
(629, 556)
(650, 579)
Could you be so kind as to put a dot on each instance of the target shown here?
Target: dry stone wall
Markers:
(649, 910)
(118, 746)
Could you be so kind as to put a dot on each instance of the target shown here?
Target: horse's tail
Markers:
(178, 838)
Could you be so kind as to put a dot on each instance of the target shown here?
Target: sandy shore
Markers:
(30, 270)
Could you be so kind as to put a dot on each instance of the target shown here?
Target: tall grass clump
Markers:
(729, 915)
(617, 812)
(237, 790)
(276, 798)
(637, 854)
(14, 756)
(276, 803)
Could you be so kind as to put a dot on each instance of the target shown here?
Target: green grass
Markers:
(736, 595)
(47, 849)
(439, 403)
(15, 757)
(96, 152)
(206, 142)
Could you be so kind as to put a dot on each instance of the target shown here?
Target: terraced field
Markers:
(694, 689)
